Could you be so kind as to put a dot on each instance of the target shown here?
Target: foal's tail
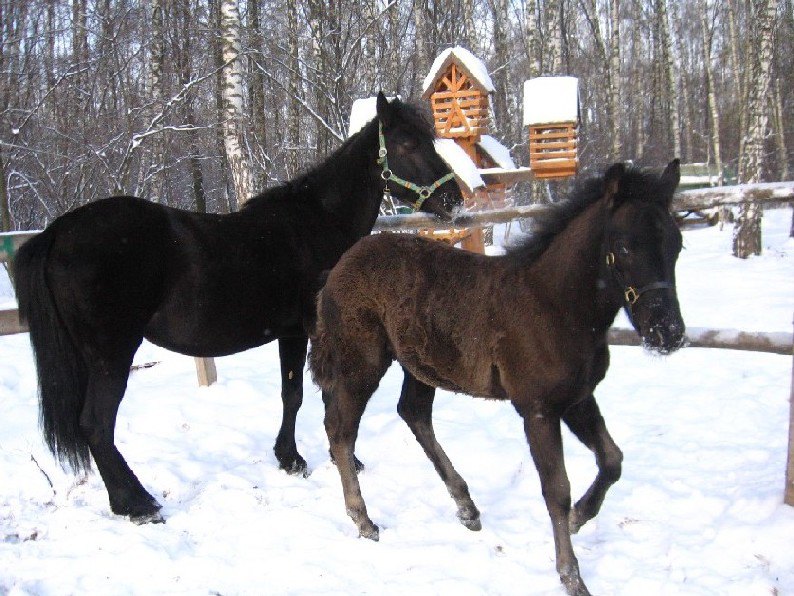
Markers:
(61, 370)
(324, 354)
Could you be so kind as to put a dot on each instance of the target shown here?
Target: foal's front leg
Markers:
(545, 444)
(292, 354)
(585, 421)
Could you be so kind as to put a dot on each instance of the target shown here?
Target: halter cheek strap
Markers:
(423, 192)
(630, 293)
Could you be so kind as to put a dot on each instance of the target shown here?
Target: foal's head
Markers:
(641, 247)
(412, 169)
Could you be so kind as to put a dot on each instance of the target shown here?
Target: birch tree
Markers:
(234, 114)
(671, 79)
(747, 232)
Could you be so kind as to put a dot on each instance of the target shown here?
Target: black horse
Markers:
(530, 327)
(103, 277)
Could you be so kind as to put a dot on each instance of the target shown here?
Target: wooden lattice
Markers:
(553, 150)
(459, 108)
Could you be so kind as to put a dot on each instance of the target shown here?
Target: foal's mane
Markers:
(634, 185)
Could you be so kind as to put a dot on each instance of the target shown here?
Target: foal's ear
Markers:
(384, 109)
(670, 179)
(612, 178)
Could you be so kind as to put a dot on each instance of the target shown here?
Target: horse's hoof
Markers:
(297, 467)
(472, 524)
(370, 531)
(147, 518)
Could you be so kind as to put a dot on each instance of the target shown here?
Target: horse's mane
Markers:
(408, 116)
(634, 185)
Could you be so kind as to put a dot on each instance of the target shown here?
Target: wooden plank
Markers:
(547, 146)
(205, 371)
(726, 339)
(9, 322)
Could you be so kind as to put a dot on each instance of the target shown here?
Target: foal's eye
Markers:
(621, 248)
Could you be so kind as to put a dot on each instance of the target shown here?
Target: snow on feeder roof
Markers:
(551, 100)
(497, 152)
(474, 68)
(461, 164)
(362, 111)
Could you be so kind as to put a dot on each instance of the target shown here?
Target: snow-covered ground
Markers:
(698, 510)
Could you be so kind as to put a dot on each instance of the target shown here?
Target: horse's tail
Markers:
(61, 369)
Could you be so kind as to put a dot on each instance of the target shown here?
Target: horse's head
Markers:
(641, 247)
(411, 168)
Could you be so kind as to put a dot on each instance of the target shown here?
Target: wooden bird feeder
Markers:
(551, 112)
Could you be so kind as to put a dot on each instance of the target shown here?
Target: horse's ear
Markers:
(384, 109)
(670, 179)
(612, 178)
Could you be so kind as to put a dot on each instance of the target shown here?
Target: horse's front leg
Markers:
(585, 421)
(545, 445)
(292, 353)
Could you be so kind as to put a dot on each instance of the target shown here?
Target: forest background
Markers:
(195, 103)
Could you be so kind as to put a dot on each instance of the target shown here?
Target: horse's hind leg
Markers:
(106, 386)
(585, 421)
(292, 353)
(416, 408)
(343, 412)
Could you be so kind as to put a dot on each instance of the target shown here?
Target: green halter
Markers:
(424, 192)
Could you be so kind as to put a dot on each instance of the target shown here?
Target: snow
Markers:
(550, 100)
(498, 152)
(460, 163)
(362, 111)
(473, 66)
(698, 510)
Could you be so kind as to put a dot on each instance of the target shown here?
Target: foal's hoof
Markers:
(296, 467)
(470, 519)
(370, 531)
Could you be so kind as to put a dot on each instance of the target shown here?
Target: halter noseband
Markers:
(630, 293)
(387, 175)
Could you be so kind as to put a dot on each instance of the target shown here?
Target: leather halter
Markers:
(630, 293)
(387, 175)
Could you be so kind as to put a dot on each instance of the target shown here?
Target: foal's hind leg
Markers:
(106, 386)
(292, 353)
(416, 408)
(585, 421)
(343, 413)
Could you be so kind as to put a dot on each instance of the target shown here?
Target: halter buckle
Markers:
(386, 174)
(610, 259)
(631, 295)
(382, 152)
(424, 192)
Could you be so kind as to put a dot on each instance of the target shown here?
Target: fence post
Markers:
(788, 497)
(205, 371)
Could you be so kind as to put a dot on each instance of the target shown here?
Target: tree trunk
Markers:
(747, 232)
(671, 80)
(708, 34)
(293, 104)
(780, 132)
(615, 85)
(233, 102)
(156, 174)
(5, 200)
(256, 93)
